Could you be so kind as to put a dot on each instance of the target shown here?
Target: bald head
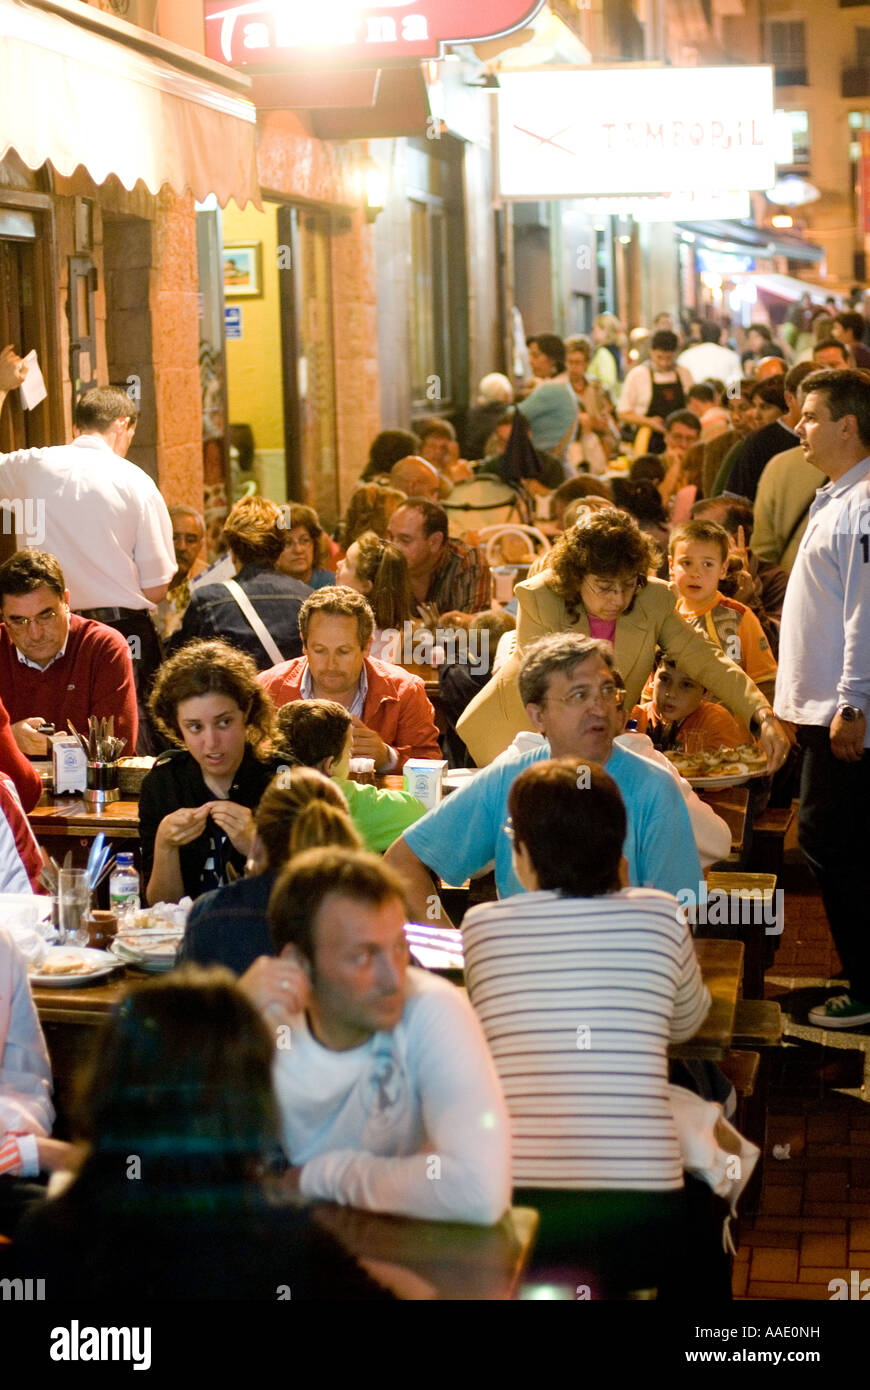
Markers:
(414, 476)
(769, 366)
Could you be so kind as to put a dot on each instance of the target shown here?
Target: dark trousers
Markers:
(17, 1197)
(616, 1242)
(834, 836)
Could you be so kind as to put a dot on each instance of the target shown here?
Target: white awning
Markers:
(783, 286)
(72, 96)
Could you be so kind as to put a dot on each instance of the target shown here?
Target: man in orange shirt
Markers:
(392, 718)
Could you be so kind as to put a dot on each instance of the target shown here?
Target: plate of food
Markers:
(69, 967)
(720, 767)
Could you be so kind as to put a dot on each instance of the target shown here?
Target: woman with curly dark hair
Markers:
(597, 583)
(195, 810)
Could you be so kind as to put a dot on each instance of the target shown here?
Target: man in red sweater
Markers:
(392, 719)
(54, 665)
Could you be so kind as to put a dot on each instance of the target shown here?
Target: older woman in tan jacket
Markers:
(597, 583)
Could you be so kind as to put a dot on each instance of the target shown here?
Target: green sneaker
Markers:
(840, 1012)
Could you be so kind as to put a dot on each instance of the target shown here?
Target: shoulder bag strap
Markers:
(256, 622)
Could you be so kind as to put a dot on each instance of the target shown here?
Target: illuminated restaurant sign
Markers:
(278, 34)
(571, 133)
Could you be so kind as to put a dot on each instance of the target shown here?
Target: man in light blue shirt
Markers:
(566, 683)
(823, 681)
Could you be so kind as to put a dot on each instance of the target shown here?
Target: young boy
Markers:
(319, 733)
(680, 717)
(698, 559)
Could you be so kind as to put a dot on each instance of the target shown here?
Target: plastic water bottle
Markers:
(124, 888)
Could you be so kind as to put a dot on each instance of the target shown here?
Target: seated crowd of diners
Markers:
(297, 1051)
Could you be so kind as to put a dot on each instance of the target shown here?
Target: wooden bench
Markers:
(768, 840)
(757, 1029)
(746, 902)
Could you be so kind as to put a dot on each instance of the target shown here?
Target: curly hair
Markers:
(212, 668)
(610, 543)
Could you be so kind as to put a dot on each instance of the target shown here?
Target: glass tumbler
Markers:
(74, 894)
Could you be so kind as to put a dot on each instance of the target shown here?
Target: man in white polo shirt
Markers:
(823, 679)
(100, 516)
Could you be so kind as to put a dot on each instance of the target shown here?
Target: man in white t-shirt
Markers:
(389, 1098)
(709, 359)
(100, 516)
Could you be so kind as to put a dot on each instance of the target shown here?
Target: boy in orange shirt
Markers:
(698, 560)
(680, 717)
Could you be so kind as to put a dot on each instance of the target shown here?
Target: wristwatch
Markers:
(849, 713)
(759, 718)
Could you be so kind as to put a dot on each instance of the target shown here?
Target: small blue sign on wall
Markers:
(233, 321)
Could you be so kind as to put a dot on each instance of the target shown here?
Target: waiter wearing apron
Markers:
(653, 390)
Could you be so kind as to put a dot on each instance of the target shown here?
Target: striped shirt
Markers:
(579, 999)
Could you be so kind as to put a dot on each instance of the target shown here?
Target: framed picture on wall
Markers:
(243, 270)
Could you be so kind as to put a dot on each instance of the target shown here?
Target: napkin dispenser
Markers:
(423, 778)
(70, 764)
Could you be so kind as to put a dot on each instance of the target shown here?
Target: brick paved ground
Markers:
(813, 1223)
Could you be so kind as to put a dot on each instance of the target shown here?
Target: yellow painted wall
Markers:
(254, 380)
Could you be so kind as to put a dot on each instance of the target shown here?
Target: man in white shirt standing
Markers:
(101, 517)
(708, 359)
(823, 680)
(388, 1095)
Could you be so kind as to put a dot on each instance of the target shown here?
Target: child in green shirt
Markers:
(319, 733)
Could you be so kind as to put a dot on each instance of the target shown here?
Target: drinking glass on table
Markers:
(74, 894)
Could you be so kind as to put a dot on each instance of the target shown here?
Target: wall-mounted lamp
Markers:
(373, 182)
(624, 240)
(782, 219)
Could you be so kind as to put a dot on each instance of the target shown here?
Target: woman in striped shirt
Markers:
(580, 984)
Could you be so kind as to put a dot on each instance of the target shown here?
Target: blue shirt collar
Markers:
(357, 704)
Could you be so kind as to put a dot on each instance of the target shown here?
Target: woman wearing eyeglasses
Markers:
(597, 583)
(304, 546)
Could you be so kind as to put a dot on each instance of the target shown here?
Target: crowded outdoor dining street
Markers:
(434, 669)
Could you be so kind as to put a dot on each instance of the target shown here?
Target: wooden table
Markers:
(72, 816)
(68, 823)
(70, 1017)
(437, 1259)
(722, 968)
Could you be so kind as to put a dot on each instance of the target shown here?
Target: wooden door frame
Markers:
(46, 260)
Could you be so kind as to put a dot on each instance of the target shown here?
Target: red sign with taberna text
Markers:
(278, 34)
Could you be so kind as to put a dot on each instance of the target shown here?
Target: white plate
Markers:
(737, 780)
(102, 961)
(152, 963)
